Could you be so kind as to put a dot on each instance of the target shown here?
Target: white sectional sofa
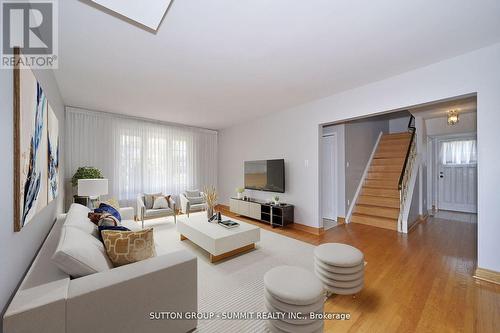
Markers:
(117, 299)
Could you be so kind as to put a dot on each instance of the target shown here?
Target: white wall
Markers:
(398, 125)
(360, 139)
(17, 249)
(294, 135)
(439, 126)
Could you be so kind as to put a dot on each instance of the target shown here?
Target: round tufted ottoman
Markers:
(340, 268)
(292, 290)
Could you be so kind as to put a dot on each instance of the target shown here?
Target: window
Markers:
(459, 152)
(130, 160)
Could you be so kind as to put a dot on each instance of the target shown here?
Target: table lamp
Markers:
(92, 188)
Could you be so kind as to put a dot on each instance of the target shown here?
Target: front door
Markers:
(329, 177)
(457, 172)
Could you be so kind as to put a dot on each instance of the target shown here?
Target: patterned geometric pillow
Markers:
(115, 228)
(125, 247)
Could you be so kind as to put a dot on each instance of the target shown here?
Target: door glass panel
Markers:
(458, 152)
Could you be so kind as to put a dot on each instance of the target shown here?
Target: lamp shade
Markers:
(92, 187)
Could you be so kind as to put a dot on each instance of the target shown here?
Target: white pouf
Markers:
(340, 267)
(294, 289)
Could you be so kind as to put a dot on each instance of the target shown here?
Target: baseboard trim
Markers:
(306, 228)
(487, 275)
(420, 219)
(222, 207)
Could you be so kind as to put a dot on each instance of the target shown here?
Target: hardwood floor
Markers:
(420, 282)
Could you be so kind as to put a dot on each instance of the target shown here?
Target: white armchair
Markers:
(192, 201)
(144, 212)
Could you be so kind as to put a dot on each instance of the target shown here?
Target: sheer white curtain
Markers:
(139, 156)
(459, 152)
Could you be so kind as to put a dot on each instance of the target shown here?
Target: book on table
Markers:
(229, 224)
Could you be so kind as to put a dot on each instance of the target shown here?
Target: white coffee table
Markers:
(220, 242)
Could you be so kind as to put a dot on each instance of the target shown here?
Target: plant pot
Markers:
(239, 195)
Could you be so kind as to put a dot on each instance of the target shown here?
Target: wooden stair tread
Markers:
(370, 183)
(392, 213)
(375, 221)
(378, 201)
(386, 168)
(397, 135)
(383, 175)
(381, 192)
(388, 161)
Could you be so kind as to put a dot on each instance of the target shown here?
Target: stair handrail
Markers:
(412, 130)
(404, 178)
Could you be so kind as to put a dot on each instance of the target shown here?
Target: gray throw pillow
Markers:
(193, 194)
(149, 200)
(195, 200)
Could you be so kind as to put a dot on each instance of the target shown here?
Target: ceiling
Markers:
(217, 63)
(440, 109)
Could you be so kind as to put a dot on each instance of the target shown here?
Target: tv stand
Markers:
(275, 215)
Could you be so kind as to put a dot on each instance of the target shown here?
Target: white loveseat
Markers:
(120, 299)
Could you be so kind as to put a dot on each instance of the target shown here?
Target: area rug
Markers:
(235, 284)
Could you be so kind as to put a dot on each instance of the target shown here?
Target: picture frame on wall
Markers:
(36, 147)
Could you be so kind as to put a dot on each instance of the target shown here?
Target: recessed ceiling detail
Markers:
(148, 13)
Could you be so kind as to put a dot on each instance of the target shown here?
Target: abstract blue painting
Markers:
(53, 155)
(36, 152)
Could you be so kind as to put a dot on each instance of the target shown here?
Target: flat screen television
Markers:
(266, 175)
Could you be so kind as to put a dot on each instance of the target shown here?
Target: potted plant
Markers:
(276, 200)
(85, 173)
(239, 192)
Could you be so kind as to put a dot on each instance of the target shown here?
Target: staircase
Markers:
(379, 201)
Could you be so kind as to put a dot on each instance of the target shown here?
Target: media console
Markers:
(275, 215)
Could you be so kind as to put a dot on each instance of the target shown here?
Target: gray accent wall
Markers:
(360, 139)
(17, 249)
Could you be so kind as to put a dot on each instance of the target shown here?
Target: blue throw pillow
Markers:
(105, 208)
(115, 228)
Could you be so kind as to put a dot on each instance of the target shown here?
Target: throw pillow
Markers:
(126, 247)
(79, 253)
(78, 217)
(149, 200)
(193, 194)
(115, 228)
(105, 208)
(112, 202)
(95, 217)
(160, 203)
(108, 220)
(196, 200)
